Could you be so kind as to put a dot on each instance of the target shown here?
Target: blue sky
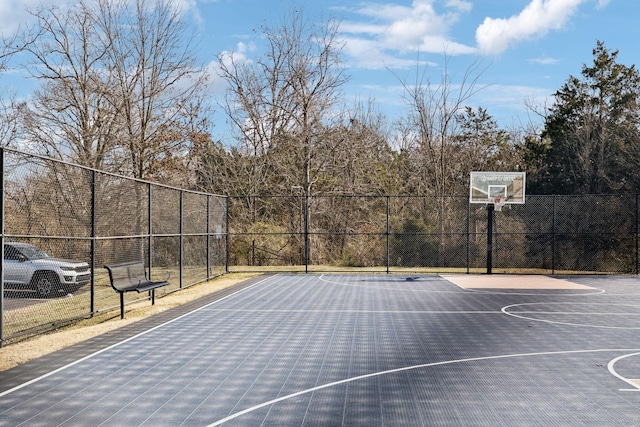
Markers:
(530, 47)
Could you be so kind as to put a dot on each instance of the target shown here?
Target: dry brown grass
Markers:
(21, 352)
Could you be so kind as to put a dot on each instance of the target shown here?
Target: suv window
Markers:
(12, 253)
(31, 252)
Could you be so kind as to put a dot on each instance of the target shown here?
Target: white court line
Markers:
(506, 311)
(408, 368)
(585, 313)
(62, 368)
(611, 368)
(299, 310)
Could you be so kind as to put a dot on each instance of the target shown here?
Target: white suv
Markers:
(27, 267)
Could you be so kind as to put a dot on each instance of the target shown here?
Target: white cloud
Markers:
(361, 28)
(461, 5)
(494, 36)
(368, 54)
(544, 60)
(238, 56)
(401, 30)
(386, 11)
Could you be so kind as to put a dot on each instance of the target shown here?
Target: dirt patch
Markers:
(15, 354)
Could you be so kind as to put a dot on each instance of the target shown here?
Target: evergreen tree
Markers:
(590, 140)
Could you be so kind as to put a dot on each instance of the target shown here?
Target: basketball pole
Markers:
(490, 210)
(495, 190)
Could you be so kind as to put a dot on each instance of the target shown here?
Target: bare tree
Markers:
(358, 159)
(158, 83)
(10, 113)
(431, 125)
(282, 104)
(70, 116)
(10, 108)
(120, 85)
(430, 134)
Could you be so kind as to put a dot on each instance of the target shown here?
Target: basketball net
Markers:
(498, 203)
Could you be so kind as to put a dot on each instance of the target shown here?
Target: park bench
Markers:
(132, 276)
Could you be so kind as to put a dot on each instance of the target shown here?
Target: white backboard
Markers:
(485, 186)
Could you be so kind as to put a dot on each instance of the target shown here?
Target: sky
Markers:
(527, 49)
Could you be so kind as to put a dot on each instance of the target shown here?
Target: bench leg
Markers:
(122, 305)
(153, 296)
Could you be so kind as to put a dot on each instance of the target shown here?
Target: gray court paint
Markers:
(409, 368)
(62, 368)
(374, 374)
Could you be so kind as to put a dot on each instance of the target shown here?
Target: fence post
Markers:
(149, 228)
(2, 246)
(636, 237)
(387, 233)
(553, 235)
(227, 242)
(468, 237)
(208, 237)
(306, 233)
(181, 249)
(93, 244)
(490, 210)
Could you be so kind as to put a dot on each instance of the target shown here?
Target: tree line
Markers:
(120, 88)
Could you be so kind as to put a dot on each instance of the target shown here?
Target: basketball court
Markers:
(356, 350)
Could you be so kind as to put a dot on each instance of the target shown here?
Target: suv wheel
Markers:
(44, 282)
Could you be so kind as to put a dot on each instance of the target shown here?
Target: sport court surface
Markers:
(359, 350)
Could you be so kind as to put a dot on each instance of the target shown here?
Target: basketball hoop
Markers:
(498, 203)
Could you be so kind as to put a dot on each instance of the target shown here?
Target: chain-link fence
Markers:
(62, 223)
(86, 219)
(547, 235)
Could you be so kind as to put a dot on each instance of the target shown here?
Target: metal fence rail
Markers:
(547, 235)
(81, 214)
